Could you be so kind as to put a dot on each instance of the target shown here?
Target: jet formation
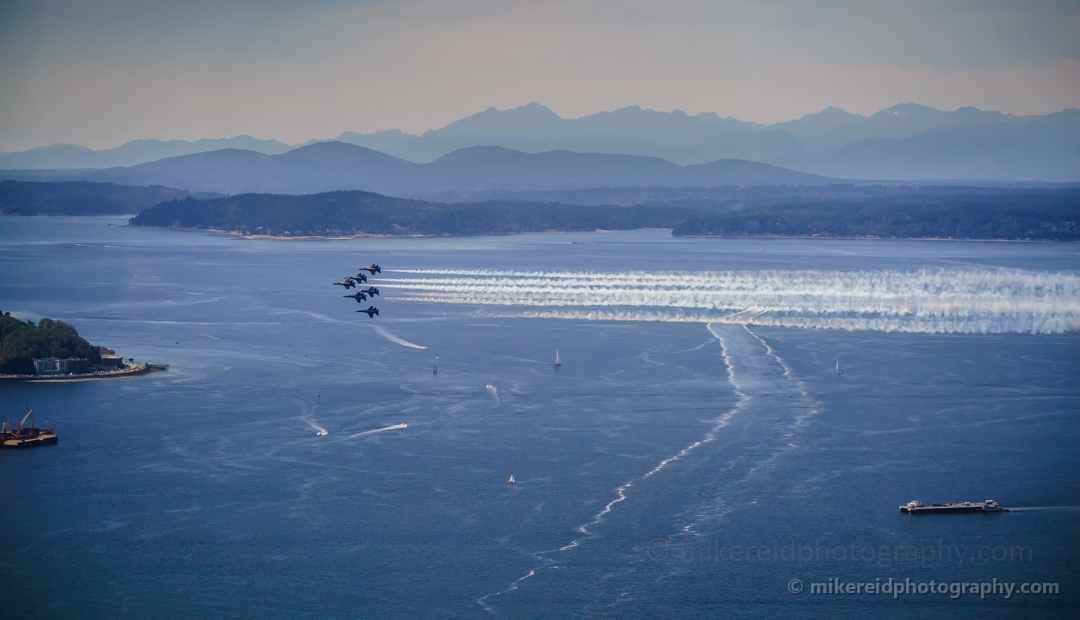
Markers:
(362, 294)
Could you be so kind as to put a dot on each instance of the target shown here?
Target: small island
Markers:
(54, 351)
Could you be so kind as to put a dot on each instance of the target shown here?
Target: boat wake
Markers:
(307, 418)
(586, 530)
(392, 337)
(494, 392)
(379, 329)
(394, 427)
(772, 403)
(1024, 508)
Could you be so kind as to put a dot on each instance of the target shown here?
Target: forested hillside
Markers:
(22, 341)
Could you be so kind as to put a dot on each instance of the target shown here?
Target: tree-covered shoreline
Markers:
(1006, 215)
(80, 198)
(953, 219)
(22, 341)
(348, 213)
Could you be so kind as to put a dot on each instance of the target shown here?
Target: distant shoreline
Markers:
(838, 238)
(134, 369)
(239, 235)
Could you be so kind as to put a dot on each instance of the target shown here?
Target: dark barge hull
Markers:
(18, 444)
(952, 508)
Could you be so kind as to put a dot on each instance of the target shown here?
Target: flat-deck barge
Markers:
(914, 507)
(23, 436)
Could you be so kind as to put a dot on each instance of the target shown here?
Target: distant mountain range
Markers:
(332, 166)
(130, 153)
(904, 142)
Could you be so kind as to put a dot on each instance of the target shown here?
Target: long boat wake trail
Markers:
(586, 530)
(774, 407)
(392, 337)
(393, 427)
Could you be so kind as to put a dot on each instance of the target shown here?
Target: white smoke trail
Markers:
(926, 300)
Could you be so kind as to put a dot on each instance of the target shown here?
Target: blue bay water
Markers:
(667, 469)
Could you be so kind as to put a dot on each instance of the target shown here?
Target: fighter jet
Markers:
(371, 290)
(359, 296)
(371, 311)
(373, 269)
(360, 277)
(346, 283)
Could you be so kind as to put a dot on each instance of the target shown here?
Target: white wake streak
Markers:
(379, 329)
(392, 337)
(494, 392)
(585, 530)
(308, 418)
(979, 300)
(378, 430)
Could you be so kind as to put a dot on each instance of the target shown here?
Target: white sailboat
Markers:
(511, 480)
(838, 371)
(557, 361)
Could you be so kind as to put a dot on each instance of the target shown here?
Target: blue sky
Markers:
(99, 73)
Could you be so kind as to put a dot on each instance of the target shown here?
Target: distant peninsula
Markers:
(80, 198)
(356, 213)
(942, 213)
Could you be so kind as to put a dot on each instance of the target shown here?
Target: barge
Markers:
(23, 436)
(915, 507)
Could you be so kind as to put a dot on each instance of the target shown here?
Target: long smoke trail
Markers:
(926, 300)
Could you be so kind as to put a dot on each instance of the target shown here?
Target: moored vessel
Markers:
(914, 507)
(26, 436)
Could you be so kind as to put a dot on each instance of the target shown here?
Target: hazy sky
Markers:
(99, 73)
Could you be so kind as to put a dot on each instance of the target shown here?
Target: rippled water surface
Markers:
(695, 452)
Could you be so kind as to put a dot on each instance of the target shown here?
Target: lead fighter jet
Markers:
(373, 269)
(359, 296)
(371, 311)
(346, 283)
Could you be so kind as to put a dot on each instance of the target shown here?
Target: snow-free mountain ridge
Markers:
(330, 166)
(904, 142)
